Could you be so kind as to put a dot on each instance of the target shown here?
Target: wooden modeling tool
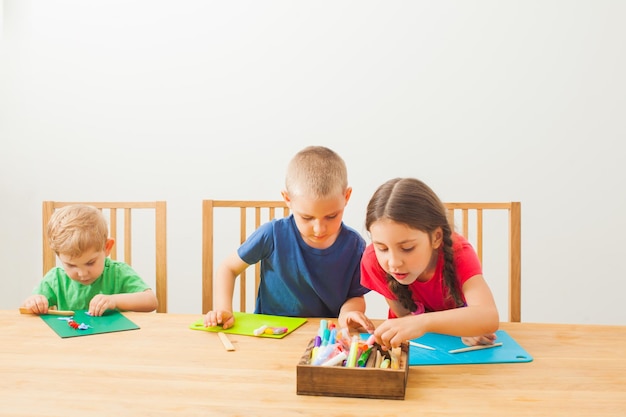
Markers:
(477, 347)
(24, 310)
(227, 344)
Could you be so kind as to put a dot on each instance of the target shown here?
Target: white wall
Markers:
(185, 100)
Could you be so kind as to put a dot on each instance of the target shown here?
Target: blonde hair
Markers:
(76, 228)
(316, 171)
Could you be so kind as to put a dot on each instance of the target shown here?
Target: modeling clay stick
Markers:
(395, 358)
(419, 345)
(354, 351)
(379, 359)
(363, 357)
(260, 330)
(371, 361)
(24, 310)
(335, 360)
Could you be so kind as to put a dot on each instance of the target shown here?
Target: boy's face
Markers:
(87, 267)
(318, 219)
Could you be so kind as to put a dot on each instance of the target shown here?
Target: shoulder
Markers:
(369, 261)
(276, 228)
(460, 244)
(55, 275)
(352, 234)
(465, 257)
(117, 267)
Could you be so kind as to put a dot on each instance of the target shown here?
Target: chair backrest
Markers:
(252, 214)
(468, 219)
(128, 209)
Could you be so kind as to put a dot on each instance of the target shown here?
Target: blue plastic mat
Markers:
(509, 352)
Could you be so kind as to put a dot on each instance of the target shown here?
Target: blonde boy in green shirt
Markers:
(88, 280)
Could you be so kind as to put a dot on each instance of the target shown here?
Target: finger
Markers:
(210, 319)
(229, 323)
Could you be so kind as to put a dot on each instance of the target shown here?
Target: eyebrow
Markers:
(334, 213)
(88, 261)
(404, 242)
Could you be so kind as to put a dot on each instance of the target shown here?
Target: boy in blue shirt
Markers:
(89, 279)
(310, 260)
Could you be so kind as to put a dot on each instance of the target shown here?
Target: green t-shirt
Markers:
(67, 294)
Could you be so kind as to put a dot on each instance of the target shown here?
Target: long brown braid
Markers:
(411, 202)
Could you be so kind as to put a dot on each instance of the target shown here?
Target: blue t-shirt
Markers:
(298, 280)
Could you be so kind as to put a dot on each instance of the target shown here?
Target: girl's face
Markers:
(404, 253)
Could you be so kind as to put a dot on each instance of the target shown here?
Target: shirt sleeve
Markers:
(466, 261)
(372, 274)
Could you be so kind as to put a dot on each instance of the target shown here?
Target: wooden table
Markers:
(166, 369)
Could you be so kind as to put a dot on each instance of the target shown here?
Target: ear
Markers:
(437, 238)
(108, 246)
(285, 195)
(348, 194)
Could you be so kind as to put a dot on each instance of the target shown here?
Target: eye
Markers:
(334, 216)
(407, 250)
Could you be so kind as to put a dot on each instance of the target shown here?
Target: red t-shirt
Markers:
(430, 294)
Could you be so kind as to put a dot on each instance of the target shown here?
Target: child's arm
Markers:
(224, 286)
(479, 317)
(144, 301)
(37, 303)
(352, 314)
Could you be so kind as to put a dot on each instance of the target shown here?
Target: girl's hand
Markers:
(487, 339)
(356, 320)
(391, 333)
(37, 303)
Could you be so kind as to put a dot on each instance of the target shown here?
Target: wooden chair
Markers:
(251, 215)
(467, 217)
(128, 209)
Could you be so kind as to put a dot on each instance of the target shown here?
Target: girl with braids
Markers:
(430, 276)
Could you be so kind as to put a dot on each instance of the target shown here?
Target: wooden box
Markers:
(339, 381)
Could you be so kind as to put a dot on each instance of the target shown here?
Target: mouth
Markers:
(399, 276)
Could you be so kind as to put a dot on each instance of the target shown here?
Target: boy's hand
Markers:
(223, 318)
(101, 303)
(37, 303)
(356, 320)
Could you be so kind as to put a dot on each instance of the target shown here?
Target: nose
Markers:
(318, 227)
(394, 260)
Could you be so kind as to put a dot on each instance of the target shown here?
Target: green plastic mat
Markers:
(246, 323)
(111, 321)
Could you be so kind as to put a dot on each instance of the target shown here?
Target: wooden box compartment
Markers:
(339, 381)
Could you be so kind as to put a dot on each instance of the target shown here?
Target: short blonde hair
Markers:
(316, 171)
(76, 228)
